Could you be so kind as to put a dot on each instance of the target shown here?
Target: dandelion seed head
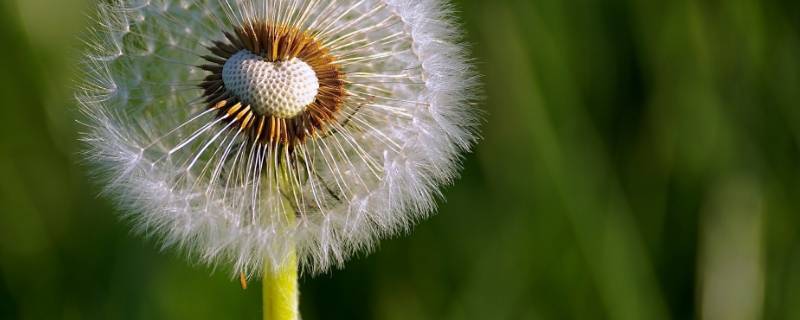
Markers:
(208, 120)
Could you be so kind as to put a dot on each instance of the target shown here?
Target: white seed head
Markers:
(280, 88)
(209, 120)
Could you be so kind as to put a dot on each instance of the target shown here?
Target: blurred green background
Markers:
(640, 160)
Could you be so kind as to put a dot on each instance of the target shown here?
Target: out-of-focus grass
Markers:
(640, 161)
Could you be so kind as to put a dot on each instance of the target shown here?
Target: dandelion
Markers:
(275, 135)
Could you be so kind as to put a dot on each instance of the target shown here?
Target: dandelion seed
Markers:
(250, 133)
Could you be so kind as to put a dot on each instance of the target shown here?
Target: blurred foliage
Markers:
(639, 161)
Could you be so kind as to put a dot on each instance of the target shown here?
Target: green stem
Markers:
(280, 289)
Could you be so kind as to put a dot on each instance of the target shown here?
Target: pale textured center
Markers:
(282, 88)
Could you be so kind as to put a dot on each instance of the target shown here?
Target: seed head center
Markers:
(282, 88)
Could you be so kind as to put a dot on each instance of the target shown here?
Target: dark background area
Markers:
(640, 160)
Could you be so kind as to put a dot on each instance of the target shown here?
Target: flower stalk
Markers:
(280, 294)
(280, 289)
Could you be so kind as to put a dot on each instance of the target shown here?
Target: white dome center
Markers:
(282, 89)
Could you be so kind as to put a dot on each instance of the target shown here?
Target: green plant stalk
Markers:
(280, 289)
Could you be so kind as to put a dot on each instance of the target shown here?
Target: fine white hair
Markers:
(194, 182)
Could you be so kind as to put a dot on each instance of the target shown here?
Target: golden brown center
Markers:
(274, 44)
